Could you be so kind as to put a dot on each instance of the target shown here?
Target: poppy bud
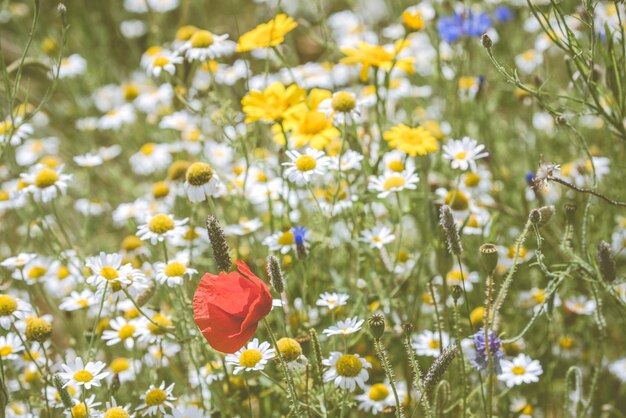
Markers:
(488, 257)
(377, 325)
(457, 292)
(486, 41)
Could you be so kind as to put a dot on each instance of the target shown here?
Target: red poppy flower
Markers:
(228, 307)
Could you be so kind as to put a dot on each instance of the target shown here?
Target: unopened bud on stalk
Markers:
(446, 220)
(540, 217)
(486, 41)
(407, 328)
(218, 244)
(570, 212)
(377, 325)
(606, 262)
(488, 257)
(275, 273)
(61, 9)
(457, 292)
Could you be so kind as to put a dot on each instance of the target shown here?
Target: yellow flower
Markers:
(413, 141)
(412, 20)
(273, 104)
(267, 34)
(376, 56)
(308, 126)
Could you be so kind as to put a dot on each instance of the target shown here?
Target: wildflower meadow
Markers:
(286, 208)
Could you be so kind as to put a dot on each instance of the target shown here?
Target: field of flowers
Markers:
(312, 208)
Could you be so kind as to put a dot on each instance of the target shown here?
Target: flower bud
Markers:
(540, 217)
(488, 257)
(457, 292)
(37, 329)
(407, 328)
(570, 212)
(377, 325)
(218, 244)
(486, 41)
(606, 262)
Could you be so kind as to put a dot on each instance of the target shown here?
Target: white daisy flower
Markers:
(201, 182)
(343, 107)
(72, 66)
(390, 182)
(163, 6)
(347, 371)
(347, 327)
(580, 305)
(165, 61)
(332, 300)
(618, 368)
(463, 153)
(204, 45)
(173, 272)
(156, 399)
(528, 61)
(160, 227)
(83, 408)
(18, 261)
(81, 374)
(108, 269)
(522, 369)
(377, 237)
(303, 167)
(379, 396)
(150, 158)
(427, 343)
(350, 160)
(37, 270)
(12, 309)
(45, 183)
(281, 241)
(244, 227)
(88, 160)
(10, 345)
(14, 133)
(114, 119)
(122, 331)
(253, 356)
(77, 301)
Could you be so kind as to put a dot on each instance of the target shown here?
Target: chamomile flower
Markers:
(332, 300)
(45, 183)
(108, 269)
(14, 133)
(281, 241)
(10, 345)
(580, 305)
(377, 237)
(253, 356)
(18, 261)
(156, 399)
(342, 107)
(428, 343)
(12, 309)
(164, 62)
(151, 157)
(173, 272)
(346, 371)
(71, 67)
(112, 410)
(204, 45)
(528, 61)
(303, 167)
(201, 182)
(618, 368)
(463, 153)
(390, 182)
(122, 331)
(347, 327)
(244, 227)
(161, 227)
(83, 409)
(86, 375)
(379, 396)
(78, 300)
(519, 370)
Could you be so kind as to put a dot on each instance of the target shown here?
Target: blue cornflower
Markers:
(299, 233)
(530, 178)
(451, 28)
(481, 358)
(503, 14)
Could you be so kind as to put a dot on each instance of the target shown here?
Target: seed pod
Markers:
(606, 262)
(407, 328)
(218, 244)
(488, 257)
(377, 325)
(275, 273)
(540, 217)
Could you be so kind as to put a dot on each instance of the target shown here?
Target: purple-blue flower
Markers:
(299, 233)
(503, 14)
(451, 28)
(481, 358)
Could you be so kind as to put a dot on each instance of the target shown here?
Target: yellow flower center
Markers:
(109, 273)
(147, 149)
(36, 272)
(130, 92)
(46, 178)
(184, 33)
(131, 242)
(566, 342)
(83, 302)
(155, 397)
(378, 392)
(290, 349)
(175, 269)
(396, 166)
(306, 163)
(201, 39)
(160, 189)
(160, 61)
(472, 179)
(539, 296)
(518, 370)
(199, 174)
(343, 102)
(433, 344)
(63, 273)
(250, 358)
(119, 365)
(286, 238)
(4, 196)
(160, 319)
(80, 411)
(8, 305)
(457, 200)
(160, 224)
(83, 376)
(394, 182)
(348, 365)
(126, 331)
(6, 350)
(116, 412)
(460, 155)
(521, 253)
